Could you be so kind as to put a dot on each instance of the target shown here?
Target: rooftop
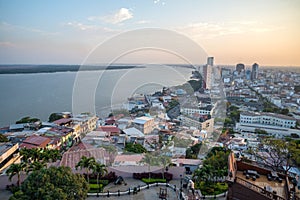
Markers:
(267, 114)
(133, 132)
(142, 120)
(37, 140)
(129, 158)
(111, 129)
(62, 121)
(5, 146)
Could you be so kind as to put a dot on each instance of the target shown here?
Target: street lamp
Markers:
(180, 195)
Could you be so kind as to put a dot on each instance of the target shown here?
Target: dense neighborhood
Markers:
(223, 129)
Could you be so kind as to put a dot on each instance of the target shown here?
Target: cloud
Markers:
(212, 30)
(118, 17)
(159, 2)
(80, 26)
(88, 27)
(143, 22)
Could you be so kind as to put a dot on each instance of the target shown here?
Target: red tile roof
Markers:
(37, 141)
(110, 129)
(73, 155)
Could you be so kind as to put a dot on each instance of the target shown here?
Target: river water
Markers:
(40, 94)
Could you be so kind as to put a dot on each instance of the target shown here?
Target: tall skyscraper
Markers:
(210, 61)
(254, 74)
(207, 76)
(248, 74)
(208, 73)
(240, 67)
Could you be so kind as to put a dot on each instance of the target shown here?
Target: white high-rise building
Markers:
(208, 73)
(210, 61)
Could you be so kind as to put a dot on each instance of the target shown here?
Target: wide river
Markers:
(40, 94)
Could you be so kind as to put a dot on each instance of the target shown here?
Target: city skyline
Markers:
(265, 32)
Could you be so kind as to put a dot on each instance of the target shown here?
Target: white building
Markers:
(275, 124)
(206, 125)
(191, 110)
(270, 119)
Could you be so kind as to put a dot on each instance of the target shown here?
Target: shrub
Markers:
(212, 188)
(94, 188)
(153, 180)
(103, 182)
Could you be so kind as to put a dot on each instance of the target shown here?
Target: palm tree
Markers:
(86, 163)
(25, 153)
(100, 170)
(51, 155)
(15, 169)
(35, 166)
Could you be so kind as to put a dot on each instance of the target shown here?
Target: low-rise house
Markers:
(63, 122)
(134, 135)
(110, 130)
(144, 124)
(35, 141)
(75, 153)
(198, 122)
(97, 138)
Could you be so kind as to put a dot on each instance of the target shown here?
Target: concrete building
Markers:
(144, 124)
(210, 61)
(206, 125)
(207, 76)
(274, 124)
(9, 153)
(271, 119)
(191, 110)
(248, 74)
(225, 72)
(35, 141)
(240, 67)
(254, 74)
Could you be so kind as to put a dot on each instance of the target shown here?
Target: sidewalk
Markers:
(146, 194)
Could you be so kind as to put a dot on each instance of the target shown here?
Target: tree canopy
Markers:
(280, 153)
(3, 138)
(27, 120)
(53, 183)
(55, 116)
(135, 148)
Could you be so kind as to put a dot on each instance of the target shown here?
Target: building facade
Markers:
(254, 74)
(144, 124)
(270, 119)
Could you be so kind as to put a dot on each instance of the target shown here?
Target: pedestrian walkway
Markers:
(147, 194)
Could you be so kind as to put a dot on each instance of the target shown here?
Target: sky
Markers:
(232, 31)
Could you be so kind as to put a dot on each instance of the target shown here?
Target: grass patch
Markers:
(212, 188)
(94, 188)
(153, 180)
(103, 182)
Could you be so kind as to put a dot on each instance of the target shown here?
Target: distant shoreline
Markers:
(33, 69)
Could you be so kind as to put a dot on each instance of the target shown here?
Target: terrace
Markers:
(272, 186)
(248, 179)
